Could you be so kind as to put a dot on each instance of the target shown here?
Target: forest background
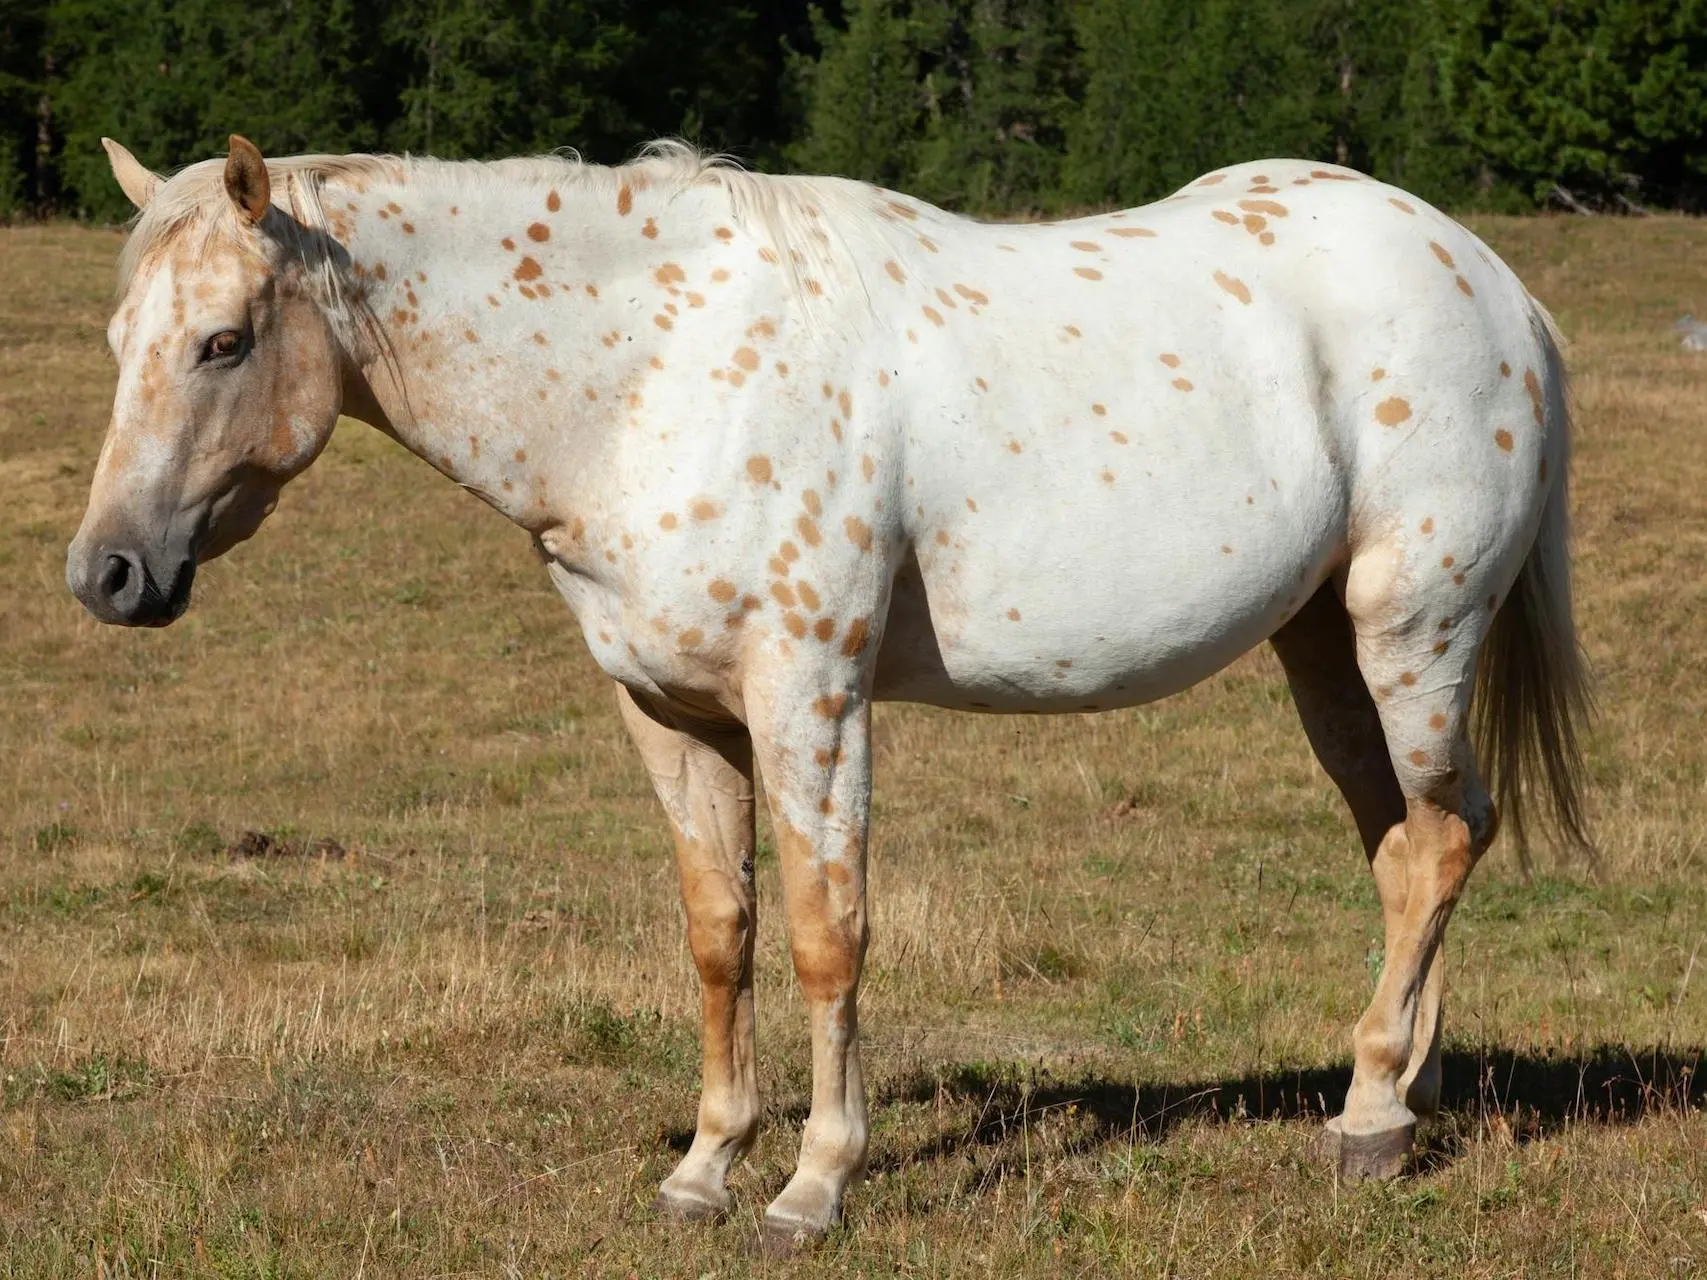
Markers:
(995, 107)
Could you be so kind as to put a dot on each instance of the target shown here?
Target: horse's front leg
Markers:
(704, 777)
(813, 740)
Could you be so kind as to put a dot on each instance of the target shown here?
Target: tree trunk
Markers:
(41, 193)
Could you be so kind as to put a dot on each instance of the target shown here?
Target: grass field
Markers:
(339, 932)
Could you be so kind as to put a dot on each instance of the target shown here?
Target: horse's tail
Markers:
(1532, 691)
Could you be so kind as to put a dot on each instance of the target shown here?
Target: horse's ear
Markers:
(138, 183)
(246, 180)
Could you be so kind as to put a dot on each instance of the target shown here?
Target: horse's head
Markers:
(229, 384)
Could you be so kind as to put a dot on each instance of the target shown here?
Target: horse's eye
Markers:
(222, 345)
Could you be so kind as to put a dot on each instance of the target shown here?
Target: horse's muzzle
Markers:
(124, 586)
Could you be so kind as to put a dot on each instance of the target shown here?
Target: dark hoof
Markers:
(1381, 1156)
(682, 1208)
(786, 1239)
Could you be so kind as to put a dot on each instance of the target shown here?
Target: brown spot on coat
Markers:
(858, 634)
(1400, 205)
(1272, 208)
(1502, 438)
(895, 273)
(668, 520)
(1234, 286)
(1392, 411)
(721, 591)
(1087, 246)
(1440, 251)
(1130, 232)
(528, 269)
(747, 358)
(553, 201)
(1182, 384)
(1532, 384)
(1088, 273)
(808, 531)
(1223, 215)
(830, 706)
(705, 509)
(538, 231)
(934, 316)
(624, 200)
(973, 296)
(859, 532)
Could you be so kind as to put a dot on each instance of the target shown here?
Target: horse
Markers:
(791, 445)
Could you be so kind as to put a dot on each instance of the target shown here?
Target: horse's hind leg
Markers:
(1417, 631)
(1317, 648)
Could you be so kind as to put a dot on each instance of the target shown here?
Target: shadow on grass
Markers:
(1528, 1095)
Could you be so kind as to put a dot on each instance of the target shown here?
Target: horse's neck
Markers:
(512, 336)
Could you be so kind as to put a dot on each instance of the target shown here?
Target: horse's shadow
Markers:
(1527, 1095)
(1530, 1094)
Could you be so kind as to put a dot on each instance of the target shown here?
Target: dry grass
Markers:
(461, 1039)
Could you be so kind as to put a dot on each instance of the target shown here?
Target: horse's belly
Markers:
(1113, 608)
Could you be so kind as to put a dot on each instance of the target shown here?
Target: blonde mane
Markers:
(807, 220)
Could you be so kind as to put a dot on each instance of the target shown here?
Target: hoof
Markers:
(781, 1238)
(682, 1206)
(1378, 1156)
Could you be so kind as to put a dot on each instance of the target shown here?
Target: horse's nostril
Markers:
(115, 576)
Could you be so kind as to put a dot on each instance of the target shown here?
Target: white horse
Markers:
(792, 445)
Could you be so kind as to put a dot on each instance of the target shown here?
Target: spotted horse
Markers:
(792, 445)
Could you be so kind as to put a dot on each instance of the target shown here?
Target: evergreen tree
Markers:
(1176, 87)
(1598, 101)
(864, 107)
(999, 100)
(174, 78)
(25, 109)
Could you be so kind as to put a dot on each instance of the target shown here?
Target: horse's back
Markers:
(1161, 430)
